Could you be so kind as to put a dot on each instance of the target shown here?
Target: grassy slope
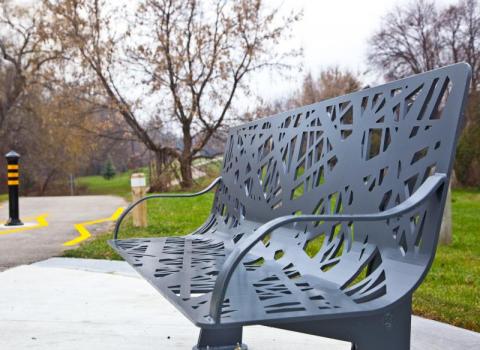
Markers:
(98, 185)
(449, 294)
(118, 185)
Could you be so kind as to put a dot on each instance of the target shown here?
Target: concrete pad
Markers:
(92, 265)
(25, 225)
(97, 304)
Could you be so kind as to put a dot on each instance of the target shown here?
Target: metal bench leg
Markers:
(389, 331)
(220, 339)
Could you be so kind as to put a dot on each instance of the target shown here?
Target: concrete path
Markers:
(96, 304)
(61, 214)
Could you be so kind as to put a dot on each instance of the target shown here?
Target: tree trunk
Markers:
(45, 183)
(161, 180)
(7, 81)
(186, 158)
(446, 229)
(186, 172)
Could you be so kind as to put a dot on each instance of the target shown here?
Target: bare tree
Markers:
(84, 29)
(330, 82)
(421, 37)
(201, 54)
(58, 125)
(408, 41)
(461, 31)
(25, 52)
(192, 55)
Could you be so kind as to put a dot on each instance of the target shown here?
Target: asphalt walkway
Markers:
(50, 224)
(98, 304)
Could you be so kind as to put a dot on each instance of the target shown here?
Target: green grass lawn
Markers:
(166, 217)
(450, 293)
(119, 185)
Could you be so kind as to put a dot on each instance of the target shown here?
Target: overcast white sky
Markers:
(332, 32)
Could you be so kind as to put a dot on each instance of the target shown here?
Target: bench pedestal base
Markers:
(389, 329)
(220, 339)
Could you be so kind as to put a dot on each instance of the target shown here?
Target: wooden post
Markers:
(139, 189)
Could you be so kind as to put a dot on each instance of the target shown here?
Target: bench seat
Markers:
(325, 218)
(187, 280)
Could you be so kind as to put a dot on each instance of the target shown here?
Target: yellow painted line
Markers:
(84, 233)
(10, 175)
(12, 167)
(12, 182)
(41, 222)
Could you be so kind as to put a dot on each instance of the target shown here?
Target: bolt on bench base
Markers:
(224, 339)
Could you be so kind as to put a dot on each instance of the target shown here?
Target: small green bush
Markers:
(108, 171)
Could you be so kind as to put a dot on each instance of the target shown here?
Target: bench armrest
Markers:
(162, 195)
(431, 184)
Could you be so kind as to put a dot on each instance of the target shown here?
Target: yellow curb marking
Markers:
(82, 230)
(41, 222)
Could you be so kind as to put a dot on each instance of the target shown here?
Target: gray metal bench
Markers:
(325, 218)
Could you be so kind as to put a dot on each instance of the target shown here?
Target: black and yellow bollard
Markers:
(13, 180)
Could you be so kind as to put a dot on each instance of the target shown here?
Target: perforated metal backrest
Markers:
(360, 153)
